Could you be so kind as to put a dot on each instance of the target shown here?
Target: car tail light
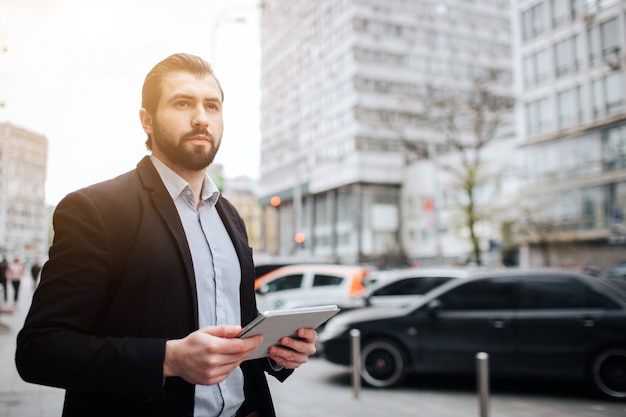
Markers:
(357, 286)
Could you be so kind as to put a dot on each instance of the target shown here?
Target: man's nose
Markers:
(200, 117)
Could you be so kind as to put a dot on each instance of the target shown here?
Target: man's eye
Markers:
(212, 106)
(182, 104)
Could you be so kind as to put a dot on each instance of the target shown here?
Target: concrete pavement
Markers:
(320, 388)
(18, 398)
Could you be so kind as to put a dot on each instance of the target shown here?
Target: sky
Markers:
(72, 70)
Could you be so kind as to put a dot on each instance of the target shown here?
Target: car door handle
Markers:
(588, 322)
(498, 324)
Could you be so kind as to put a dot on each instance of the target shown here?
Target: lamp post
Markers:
(226, 15)
(5, 49)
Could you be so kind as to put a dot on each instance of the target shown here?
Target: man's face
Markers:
(187, 127)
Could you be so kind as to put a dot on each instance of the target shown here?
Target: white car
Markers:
(309, 285)
(402, 286)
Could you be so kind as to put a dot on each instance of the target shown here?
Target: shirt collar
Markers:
(176, 185)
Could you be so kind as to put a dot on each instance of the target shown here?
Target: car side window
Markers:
(322, 280)
(485, 294)
(564, 293)
(617, 272)
(288, 282)
(396, 288)
(411, 286)
(402, 287)
(434, 282)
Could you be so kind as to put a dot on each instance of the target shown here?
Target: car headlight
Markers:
(331, 330)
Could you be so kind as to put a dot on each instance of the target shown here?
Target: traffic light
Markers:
(299, 238)
(275, 201)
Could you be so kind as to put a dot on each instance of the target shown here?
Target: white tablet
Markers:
(276, 324)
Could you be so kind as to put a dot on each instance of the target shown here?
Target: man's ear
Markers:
(146, 121)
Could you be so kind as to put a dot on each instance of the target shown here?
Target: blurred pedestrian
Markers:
(3, 278)
(14, 273)
(35, 270)
(150, 278)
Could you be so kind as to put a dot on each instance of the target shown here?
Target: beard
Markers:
(179, 152)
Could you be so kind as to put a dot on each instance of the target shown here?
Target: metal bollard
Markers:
(482, 379)
(355, 338)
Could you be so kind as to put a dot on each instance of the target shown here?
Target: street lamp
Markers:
(225, 16)
(5, 49)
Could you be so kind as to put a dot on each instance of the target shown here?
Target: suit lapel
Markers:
(236, 230)
(162, 203)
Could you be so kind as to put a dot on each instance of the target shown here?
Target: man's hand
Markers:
(293, 352)
(207, 356)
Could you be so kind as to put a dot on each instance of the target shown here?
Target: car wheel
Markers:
(608, 373)
(383, 363)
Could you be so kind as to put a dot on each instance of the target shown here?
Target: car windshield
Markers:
(617, 272)
(410, 286)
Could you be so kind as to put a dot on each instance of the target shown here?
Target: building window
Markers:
(609, 36)
(614, 92)
(562, 11)
(528, 71)
(544, 116)
(594, 6)
(597, 98)
(568, 107)
(566, 56)
(608, 95)
(538, 117)
(533, 22)
(604, 40)
(537, 67)
(614, 148)
(542, 66)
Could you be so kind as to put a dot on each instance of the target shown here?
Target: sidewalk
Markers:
(18, 398)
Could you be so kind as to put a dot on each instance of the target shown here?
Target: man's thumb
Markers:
(223, 331)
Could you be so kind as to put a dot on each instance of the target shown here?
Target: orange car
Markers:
(309, 285)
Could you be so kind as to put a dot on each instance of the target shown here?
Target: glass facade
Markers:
(574, 118)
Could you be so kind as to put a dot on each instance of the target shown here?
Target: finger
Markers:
(299, 345)
(287, 358)
(309, 335)
(222, 331)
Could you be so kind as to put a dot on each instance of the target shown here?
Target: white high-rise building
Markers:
(23, 215)
(343, 87)
(571, 70)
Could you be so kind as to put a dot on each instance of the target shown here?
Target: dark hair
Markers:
(151, 92)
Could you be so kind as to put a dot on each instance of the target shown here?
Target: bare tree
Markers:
(467, 121)
(542, 232)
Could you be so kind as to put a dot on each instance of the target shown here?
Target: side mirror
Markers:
(262, 289)
(368, 300)
(433, 307)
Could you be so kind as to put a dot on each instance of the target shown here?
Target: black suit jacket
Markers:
(119, 282)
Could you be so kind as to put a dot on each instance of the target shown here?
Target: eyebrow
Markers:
(191, 97)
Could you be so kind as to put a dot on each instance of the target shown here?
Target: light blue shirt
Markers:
(218, 275)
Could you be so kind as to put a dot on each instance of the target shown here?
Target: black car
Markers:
(539, 323)
(617, 272)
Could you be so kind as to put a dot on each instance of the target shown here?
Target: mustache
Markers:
(198, 131)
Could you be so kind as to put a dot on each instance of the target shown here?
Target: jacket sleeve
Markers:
(59, 344)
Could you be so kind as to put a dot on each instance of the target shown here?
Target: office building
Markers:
(23, 213)
(344, 84)
(572, 119)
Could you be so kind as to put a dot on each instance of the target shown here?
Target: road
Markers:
(320, 388)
